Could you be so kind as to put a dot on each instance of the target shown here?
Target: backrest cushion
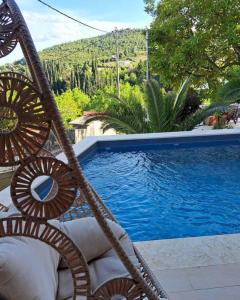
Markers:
(28, 268)
(89, 237)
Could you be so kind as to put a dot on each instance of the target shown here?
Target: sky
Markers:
(48, 28)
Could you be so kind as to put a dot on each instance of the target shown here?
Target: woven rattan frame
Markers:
(55, 203)
(32, 129)
(8, 40)
(120, 286)
(142, 280)
(18, 76)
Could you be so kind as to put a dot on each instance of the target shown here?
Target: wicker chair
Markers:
(21, 144)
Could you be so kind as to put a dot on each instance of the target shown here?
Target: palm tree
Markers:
(160, 112)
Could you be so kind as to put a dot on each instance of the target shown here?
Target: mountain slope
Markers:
(131, 42)
(90, 64)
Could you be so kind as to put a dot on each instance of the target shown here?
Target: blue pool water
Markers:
(171, 191)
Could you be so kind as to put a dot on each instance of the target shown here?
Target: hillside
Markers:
(90, 64)
(131, 42)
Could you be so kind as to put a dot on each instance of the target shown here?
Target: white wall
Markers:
(93, 129)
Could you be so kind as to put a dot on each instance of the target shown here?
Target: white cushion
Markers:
(89, 237)
(103, 268)
(28, 268)
(65, 284)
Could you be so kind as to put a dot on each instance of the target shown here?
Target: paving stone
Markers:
(174, 280)
(226, 293)
(214, 276)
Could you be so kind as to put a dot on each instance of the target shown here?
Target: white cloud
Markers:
(49, 28)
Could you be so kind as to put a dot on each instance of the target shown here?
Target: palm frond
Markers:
(168, 118)
(154, 103)
(124, 116)
(181, 97)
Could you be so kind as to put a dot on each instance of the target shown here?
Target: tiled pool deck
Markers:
(201, 268)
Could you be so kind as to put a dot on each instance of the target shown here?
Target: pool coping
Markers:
(191, 252)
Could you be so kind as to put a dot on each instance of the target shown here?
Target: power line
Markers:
(71, 18)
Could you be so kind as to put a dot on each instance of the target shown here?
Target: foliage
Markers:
(124, 116)
(71, 104)
(150, 7)
(127, 92)
(99, 102)
(192, 104)
(230, 90)
(161, 111)
(131, 42)
(102, 100)
(8, 119)
(7, 125)
(90, 64)
(219, 124)
(195, 37)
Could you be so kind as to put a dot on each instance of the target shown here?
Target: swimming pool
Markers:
(169, 190)
(163, 188)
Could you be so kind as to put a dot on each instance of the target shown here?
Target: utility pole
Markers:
(117, 63)
(147, 55)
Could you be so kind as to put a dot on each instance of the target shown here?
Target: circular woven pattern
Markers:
(59, 241)
(17, 76)
(24, 126)
(8, 40)
(59, 199)
(119, 287)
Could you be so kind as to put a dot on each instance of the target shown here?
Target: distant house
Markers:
(83, 130)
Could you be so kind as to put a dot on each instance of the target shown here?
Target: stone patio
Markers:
(202, 268)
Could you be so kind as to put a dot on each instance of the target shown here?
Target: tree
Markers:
(160, 112)
(195, 38)
(71, 105)
(102, 100)
(86, 63)
(150, 7)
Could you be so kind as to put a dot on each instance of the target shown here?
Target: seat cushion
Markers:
(65, 287)
(105, 269)
(102, 269)
(28, 268)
